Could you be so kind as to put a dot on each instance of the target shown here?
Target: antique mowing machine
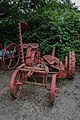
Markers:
(33, 66)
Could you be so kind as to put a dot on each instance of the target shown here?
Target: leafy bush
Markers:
(56, 28)
(55, 24)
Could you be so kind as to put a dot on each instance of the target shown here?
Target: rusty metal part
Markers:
(53, 51)
(17, 79)
(10, 56)
(51, 59)
(20, 42)
(30, 54)
(32, 45)
(71, 64)
(16, 83)
(53, 89)
(66, 63)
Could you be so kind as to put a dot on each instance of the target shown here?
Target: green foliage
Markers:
(56, 27)
(52, 23)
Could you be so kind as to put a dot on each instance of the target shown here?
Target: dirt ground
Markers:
(34, 104)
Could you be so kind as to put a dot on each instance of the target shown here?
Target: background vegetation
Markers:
(52, 23)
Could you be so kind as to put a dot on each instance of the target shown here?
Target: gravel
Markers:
(34, 103)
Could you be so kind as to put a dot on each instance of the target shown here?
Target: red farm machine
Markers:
(32, 65)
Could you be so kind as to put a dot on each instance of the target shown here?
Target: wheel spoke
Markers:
(13, 50)
(17, 90)
(10, 63)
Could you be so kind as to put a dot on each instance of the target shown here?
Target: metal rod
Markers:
(20, 66)
(40, 84)
(36, 71)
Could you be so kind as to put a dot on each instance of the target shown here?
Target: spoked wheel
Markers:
(16, 83)
(53, 88)
(10, 56)
(71, 64)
